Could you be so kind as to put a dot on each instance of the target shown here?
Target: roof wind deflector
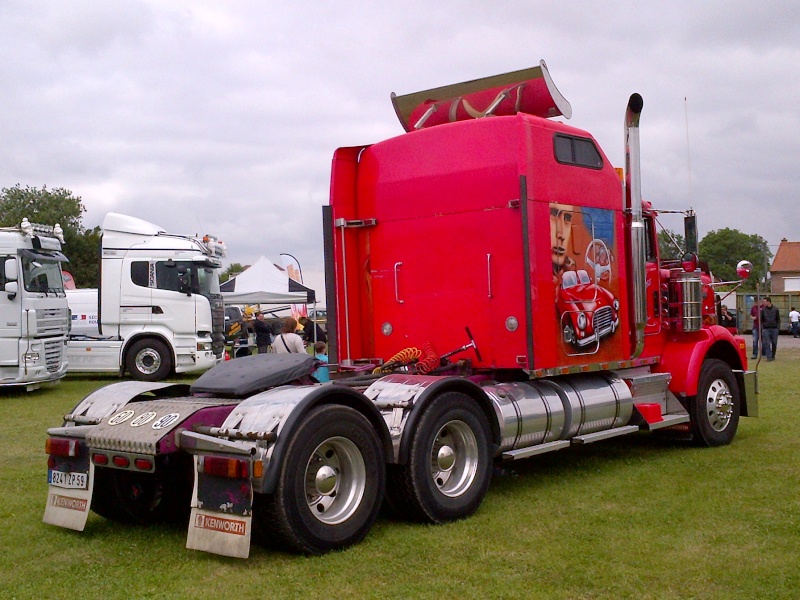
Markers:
(530, 91)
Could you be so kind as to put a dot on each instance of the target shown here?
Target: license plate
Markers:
(76, 481)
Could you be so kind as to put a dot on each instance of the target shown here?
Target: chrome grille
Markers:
(602, 320)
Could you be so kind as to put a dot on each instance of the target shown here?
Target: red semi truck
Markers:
(494, 293)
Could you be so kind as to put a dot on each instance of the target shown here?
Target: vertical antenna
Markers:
(688, 154)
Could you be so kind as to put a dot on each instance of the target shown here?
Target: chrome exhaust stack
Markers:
(632, 204)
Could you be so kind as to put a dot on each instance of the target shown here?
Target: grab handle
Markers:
(396, 284)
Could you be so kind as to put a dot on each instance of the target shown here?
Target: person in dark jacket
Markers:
(770, 322)
(308, 331)
(263, 333)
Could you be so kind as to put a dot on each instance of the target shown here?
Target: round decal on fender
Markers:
(120, 417)
(143, 419)
(166, 420)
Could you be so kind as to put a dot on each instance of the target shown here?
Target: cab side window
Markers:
(140, 273)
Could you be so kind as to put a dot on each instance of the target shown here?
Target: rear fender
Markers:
(280, 411)
(403, 398)
(104, 402)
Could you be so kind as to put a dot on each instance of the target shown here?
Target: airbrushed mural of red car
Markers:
(587, 312)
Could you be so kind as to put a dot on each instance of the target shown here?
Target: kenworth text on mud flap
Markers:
(159, 310)
(495, 292)
(34, 317)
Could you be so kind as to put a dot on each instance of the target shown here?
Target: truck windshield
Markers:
(205, 281)
(42, 276)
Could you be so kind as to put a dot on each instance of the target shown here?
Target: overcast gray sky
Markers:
(222, 117)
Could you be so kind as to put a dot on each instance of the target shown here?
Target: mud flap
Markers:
(222, 513)
(69, 493)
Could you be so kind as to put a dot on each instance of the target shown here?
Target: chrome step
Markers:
(668, 421)
(604, 435)
(534, 450)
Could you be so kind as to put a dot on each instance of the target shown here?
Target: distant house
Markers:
(785, 269)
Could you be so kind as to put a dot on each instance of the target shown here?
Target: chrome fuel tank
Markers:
(559, 408)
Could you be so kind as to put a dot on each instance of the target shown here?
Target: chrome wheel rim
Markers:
(719, 405)
(335, 480)
(454, 458)
(148, 361)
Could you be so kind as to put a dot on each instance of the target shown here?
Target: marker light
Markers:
(143, 464)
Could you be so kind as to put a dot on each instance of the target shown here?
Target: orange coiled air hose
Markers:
(404, 357)
(429, 360)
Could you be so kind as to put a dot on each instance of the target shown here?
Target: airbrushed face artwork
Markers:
(585, 277)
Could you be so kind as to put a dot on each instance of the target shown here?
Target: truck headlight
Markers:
(203, 346)
(30, 358)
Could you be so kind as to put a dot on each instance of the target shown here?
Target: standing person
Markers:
(794, 319)
(322, 374)
(263, 333)
(754, 312)
(288, 342)
(309, 327)
(726, 319)
(770, 322)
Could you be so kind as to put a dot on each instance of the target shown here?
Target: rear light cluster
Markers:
(62, 447)
(232, 468)
(123, 462)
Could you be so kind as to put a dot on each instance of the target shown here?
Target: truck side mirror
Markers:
(690, 233)
(10, 268)
(743, 268)
(12, 287)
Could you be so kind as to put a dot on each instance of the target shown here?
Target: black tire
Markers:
(148, 360)
(715, 410)
(449, 466)
(145, 498)
(330, 487)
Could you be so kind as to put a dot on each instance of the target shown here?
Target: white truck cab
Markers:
(34, 317)
(159, 309)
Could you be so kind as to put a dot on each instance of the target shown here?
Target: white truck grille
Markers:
(53, 354)
(51, 321)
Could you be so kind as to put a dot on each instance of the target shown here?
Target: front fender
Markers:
(683, 356)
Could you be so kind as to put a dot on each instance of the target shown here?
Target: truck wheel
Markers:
(449, 467)
(715, 410)
(331, 484)
(148, 360)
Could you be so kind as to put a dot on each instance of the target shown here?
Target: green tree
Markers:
(83, 252)
(670, 244)
(724, 248)
(232, 271)
(60, 206)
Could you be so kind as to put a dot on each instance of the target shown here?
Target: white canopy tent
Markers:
(265, 283)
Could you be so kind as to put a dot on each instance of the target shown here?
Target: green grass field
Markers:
(625, 518)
